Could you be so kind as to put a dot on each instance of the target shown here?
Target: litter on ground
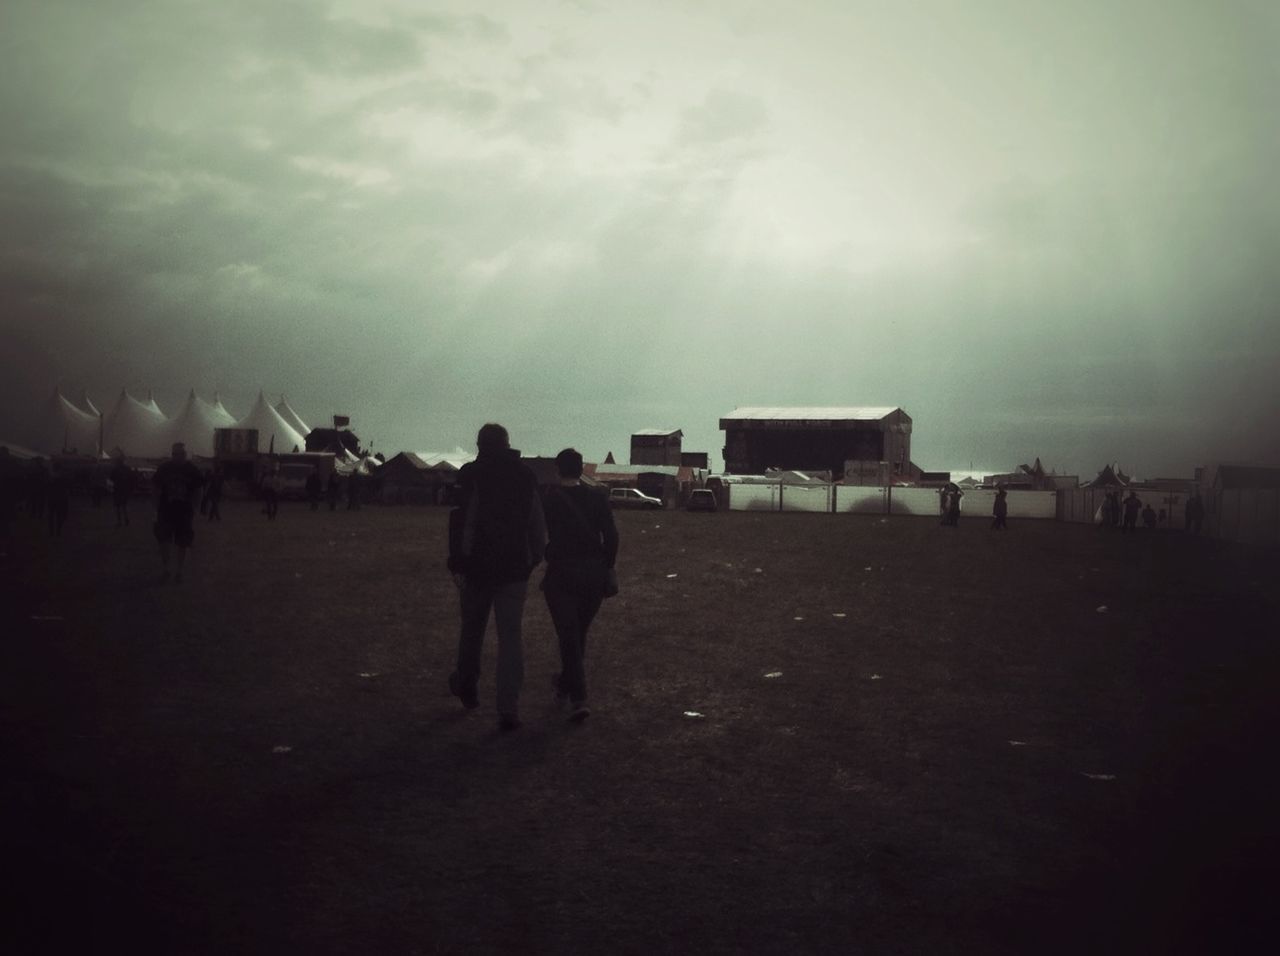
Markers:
(280, 749)
(772, 674)
(1099, 776)
(693, 713)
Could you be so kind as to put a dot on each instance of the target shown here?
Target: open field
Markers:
(961, 752)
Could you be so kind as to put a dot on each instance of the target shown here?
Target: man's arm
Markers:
(610, 532)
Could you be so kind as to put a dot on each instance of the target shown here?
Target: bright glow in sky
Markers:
(1041, 229)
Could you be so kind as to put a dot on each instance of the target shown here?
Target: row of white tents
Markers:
(140, 429)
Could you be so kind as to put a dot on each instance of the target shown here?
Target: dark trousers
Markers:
(215, 513)
(507, 603)
(571, 614)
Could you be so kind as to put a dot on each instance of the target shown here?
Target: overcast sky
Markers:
(1040, 228)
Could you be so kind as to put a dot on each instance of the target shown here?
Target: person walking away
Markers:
(313, 488)
(582, 546)
(213, 494)
(271, 492)
(176, 481)
(10, 492)
(1194, 516)
(953, 508)
(58, 499)
(37, 486)
(497, 536)
(1149, 517)
(1132, 506)
(122, 482)
(1000, 510)
(333, 490)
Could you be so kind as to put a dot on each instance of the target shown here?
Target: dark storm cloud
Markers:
(1040, 230)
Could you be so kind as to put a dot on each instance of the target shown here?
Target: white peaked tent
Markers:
(274, 433)
(136, 429)
(86, 403)
(194, 425)
(62, 426)
(151, 403)
(225, 418)
(293, 418)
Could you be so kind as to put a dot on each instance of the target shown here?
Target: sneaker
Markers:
(579, 713)
(509, 722)
(469, 699)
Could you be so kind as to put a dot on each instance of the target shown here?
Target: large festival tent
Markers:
(135, 429)
(86, 403)
(274, 433)
(62, 426)
(293, 418)
(195, 423)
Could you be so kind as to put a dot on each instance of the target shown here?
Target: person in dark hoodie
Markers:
(497, 535)
(582, 546)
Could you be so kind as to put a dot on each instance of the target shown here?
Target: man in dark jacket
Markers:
(582, 546)
(496, 538)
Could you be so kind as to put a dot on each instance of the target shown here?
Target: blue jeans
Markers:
(507, 603)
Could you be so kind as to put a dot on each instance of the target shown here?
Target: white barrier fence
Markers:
(858, 499)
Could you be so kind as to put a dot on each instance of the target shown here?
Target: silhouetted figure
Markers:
(497, 536)
(353, 491)
(582, 546)
(333, 491)
(1194, 514)
(951, 516)
(11, 487)
(1149, 517)
(313, 488)
(37, 486)
(1000, 510)
(57, 499)
(1132, 507)
(213, 495)
(122, 482)
(177, 482)
(272, 484)
(97, 485)
(1111, 510)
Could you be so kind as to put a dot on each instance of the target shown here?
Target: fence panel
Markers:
(861, 499)
(753, 497)
(816, 498)
(1032, 504)
(917, 501)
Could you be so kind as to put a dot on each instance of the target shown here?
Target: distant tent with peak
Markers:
(293, 418)
(194, 425)
(274, 433)
(136, 429)
(62, 426)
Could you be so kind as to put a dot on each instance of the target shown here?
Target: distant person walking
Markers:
(58, 499)
(582, 546)
(176, 483)
(497, 536)
(10, 491)
(271, 485)
(1000, 510)
(1132, 507)
(1149, 517)
(1194, 516)
(313, 488)
(122, 482)
(951, 506)
(213, 494)
(333, 491)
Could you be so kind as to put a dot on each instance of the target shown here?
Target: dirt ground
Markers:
(810, 733)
